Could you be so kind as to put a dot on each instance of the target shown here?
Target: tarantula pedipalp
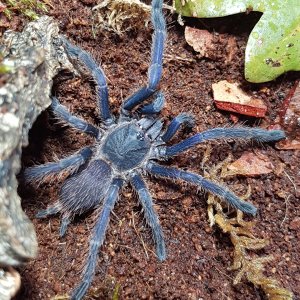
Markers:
(124, 149)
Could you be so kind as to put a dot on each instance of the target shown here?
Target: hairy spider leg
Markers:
(154, 107)
(65, 221)
(256, 134)
(61, 112)
(53, 210)
(155, 68)
(50, 210)
(183, 118)
(69, 165)
(150, 214)
(97, 74)
(200, 181)
(97, 239)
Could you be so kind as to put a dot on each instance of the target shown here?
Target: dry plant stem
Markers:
(242, 238)
(121, 15)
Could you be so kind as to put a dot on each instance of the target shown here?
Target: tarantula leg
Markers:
(175, 124)
(208, 185)
(154, 107)
(61, 112)
(65, 221)
(97, 239)
(98, 75)
(51, 210)
(155, 68)
(246, 133)
(150, 214)
(69, 164)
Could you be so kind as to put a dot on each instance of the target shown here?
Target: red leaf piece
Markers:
(290, 119)
(228, 96)
(290, 116)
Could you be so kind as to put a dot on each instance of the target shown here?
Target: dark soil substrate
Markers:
(198, 256)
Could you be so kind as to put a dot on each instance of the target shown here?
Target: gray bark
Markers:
(34, 57)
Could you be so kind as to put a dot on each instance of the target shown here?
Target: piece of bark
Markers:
(10, 283)
(34, 57)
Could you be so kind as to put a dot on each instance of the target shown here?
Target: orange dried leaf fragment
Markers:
(250, 164)
(214, 46)
(200, 40)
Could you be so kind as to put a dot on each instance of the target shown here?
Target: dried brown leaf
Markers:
(230, 97)
(250, 164)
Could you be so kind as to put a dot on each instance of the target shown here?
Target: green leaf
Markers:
(274, 43)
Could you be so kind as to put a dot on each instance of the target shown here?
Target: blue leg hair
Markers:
(62, 112)
(51, 210)
(208, 185)
(175, 124)
(155, 107)
(69, 164)
(151, 216)
(245, 133)
(65, 221)
(158, 41)
(155, 68)
(98, 75)
(97, 239)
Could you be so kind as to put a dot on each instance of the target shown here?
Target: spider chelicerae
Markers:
(125, 148)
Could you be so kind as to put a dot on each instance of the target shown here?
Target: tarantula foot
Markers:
(51, 210)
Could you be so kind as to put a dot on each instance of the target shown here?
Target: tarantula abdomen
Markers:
(87, 188)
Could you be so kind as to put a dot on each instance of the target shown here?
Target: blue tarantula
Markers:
(125, 148)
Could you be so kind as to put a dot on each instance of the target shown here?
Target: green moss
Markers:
(27, 8)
